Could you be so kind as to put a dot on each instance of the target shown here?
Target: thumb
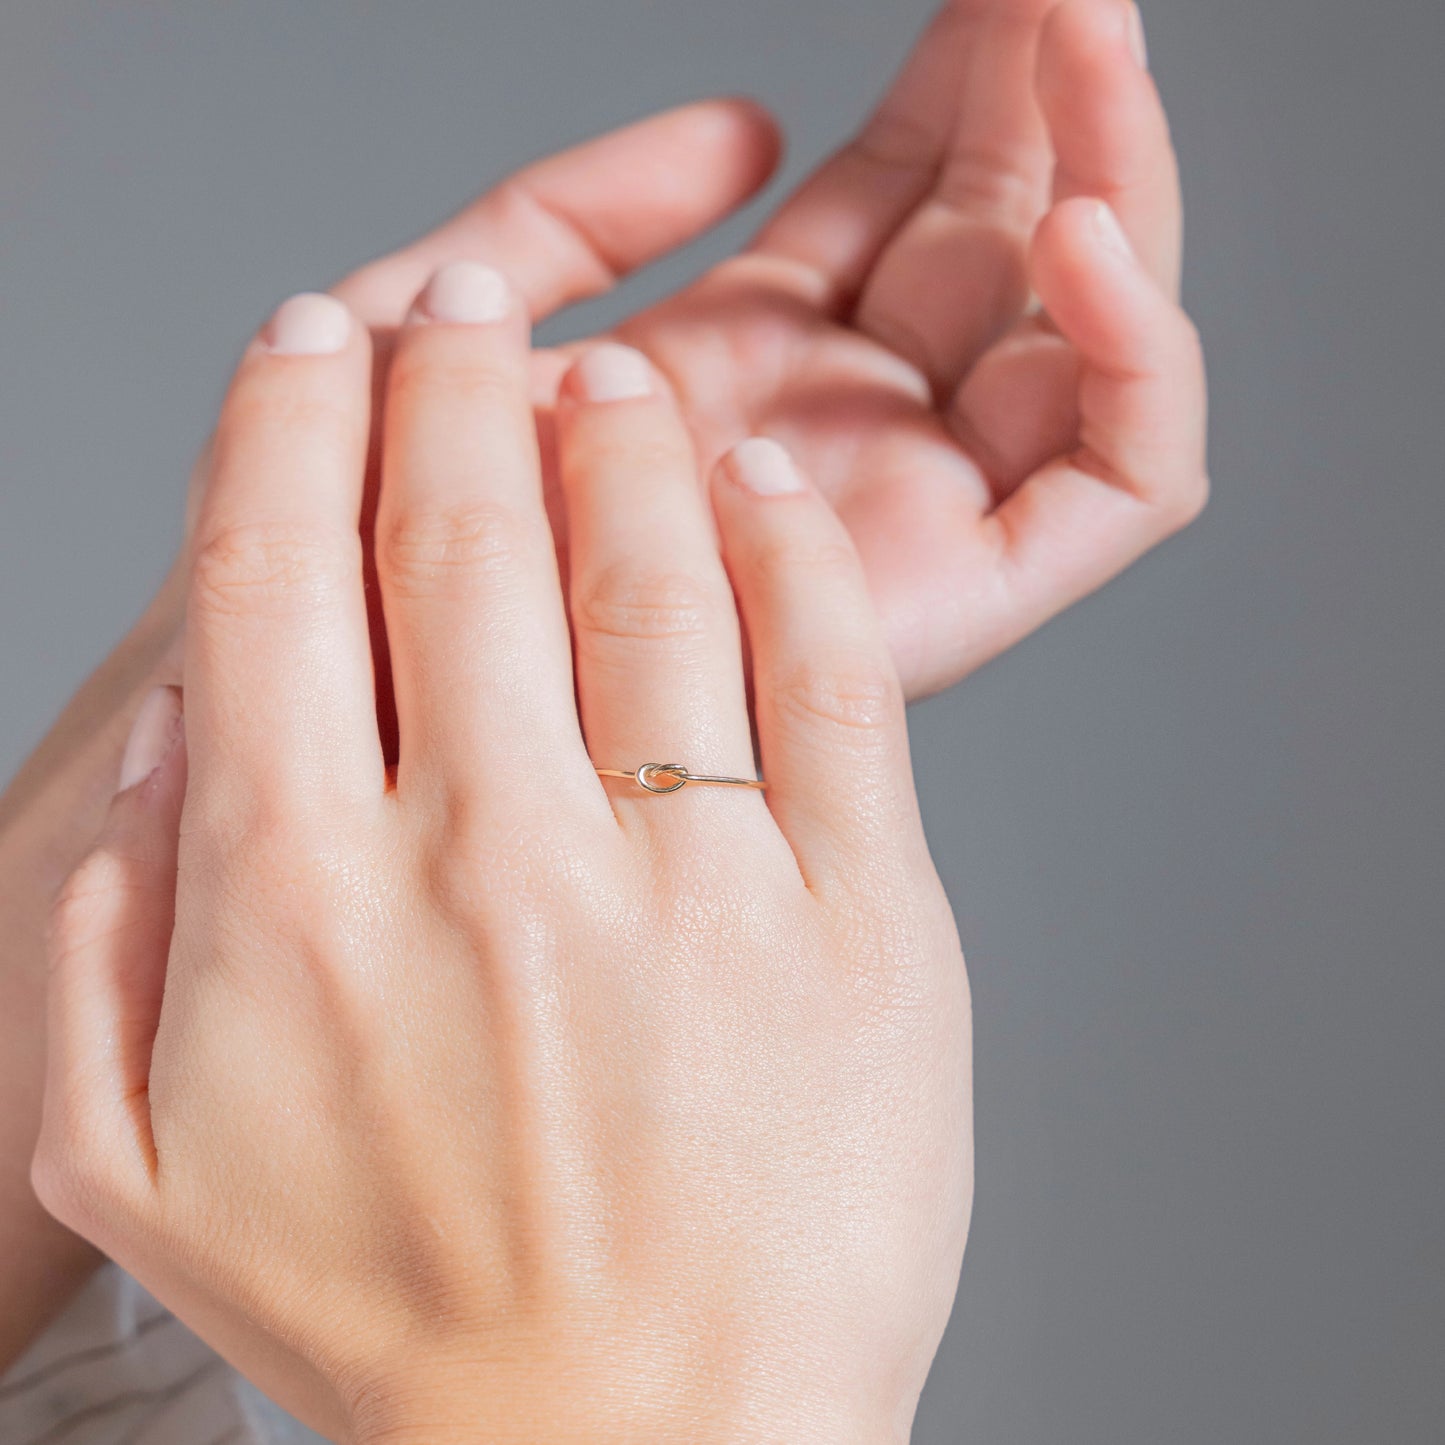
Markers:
(110, 937)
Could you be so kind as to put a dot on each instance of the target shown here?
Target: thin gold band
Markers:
(648, 774)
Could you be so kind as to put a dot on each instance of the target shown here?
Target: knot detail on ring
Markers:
(649, 773)
(664, 778)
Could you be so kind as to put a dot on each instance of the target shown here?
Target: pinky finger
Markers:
(1138, 471)
(828, 704)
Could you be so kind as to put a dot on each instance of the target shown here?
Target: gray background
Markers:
(1193, 831)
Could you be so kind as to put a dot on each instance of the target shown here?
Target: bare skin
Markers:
(684, 170)
(992, 465)
(482, 1098)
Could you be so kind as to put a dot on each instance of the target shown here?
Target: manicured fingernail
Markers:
(764, 468)
(308, 325)
(613, 373)
(1110, 232)
(1137, 41)
(466, 293)
(154, 733)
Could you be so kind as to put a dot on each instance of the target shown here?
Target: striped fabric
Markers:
(117, 1369)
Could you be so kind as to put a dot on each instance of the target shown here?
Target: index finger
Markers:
(572, 225)
(279, 685)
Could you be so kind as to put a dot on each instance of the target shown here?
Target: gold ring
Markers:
(648, 775)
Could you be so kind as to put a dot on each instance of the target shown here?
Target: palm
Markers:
(878, 327)
(748, 355)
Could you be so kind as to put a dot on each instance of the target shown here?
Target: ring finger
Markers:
(658, 655)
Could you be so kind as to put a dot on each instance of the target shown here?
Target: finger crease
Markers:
(574, 233)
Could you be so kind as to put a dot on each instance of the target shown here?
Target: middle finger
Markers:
(480, 657)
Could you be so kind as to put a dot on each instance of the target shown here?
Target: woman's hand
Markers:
(992, 466)
(965, 326)
(644, 189)
(490, 1099)
(994, 463)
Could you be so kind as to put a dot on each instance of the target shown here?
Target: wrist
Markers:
(760, 1404)
(628, 1430)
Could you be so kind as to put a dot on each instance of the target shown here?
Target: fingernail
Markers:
(308, 325)
(1137, 41)
(1110, 232)
(613, 373)
(464, 292)
(154, 733)
(764, 468)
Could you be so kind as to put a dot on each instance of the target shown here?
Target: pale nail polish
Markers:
(154, 733)
(1110, 232)
(613, 373)
(764, 468)
(465, 293)
(308, 325)
(1137, 41)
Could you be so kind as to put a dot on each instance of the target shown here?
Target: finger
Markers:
(827, 698)
(110, 936)
(1019, 405)
(954, 279)
(952, 106)
(278, 662)
(566, 227)
(1138, 471)
(659, 665)
(481, 661)
(571, 225)
(1109, 128)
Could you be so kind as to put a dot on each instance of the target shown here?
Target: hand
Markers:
(978, 514)
(994, 463)
(640, 191)
(491, 1100)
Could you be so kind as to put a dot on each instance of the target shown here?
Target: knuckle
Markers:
(894, 141)
(608, 449)
(823, 563)
(1194, 494)
(71, 1173)
(642, 604)
(521, 209)
(471, 382)
(428, 549)
(985, 180)
(1188, 363)
(1191, 342)
(266, 567)
(83, 909)
(858, 695)
(492, 866)
(1176, 501)
(261, 406)
(258, 839)
(52, 1178)
(465, 866)
(248, 825)
(1192, 498)
(269, 846)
